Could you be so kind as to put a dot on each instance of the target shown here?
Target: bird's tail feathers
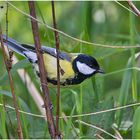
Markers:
(17, 47)
(14, 45)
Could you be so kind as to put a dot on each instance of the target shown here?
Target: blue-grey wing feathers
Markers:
(14, 45)
(51, 51)
(29, 50)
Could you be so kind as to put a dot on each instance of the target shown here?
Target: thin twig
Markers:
(99, 137)
(8, 68)
(76, 116)
(117, 133)
(125, 7)
(73, 129)
(122, 70)
(71, 37)
(98, 128)
(58, 70)
(47, 102)
(134, 8)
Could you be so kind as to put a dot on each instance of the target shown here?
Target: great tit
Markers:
(74, 68)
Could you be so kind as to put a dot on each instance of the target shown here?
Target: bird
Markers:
(74, 67)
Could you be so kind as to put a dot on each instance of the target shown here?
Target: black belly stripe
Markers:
(74, 81)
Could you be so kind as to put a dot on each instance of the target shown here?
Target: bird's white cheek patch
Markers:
(84, 69)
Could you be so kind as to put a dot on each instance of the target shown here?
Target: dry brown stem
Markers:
(133, 7)
(47, 102)
(58, 70)
(8, 65)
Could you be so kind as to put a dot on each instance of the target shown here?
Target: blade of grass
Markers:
(61, 121)
(69, 124)
(81, 107)
(3, 131)
(124, 91)
(78, 103)
(136, 124)
(24, 124)
(132, 41)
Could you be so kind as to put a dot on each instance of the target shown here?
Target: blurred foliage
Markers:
(99, 22)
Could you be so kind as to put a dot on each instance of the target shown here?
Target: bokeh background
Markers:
(99, 22)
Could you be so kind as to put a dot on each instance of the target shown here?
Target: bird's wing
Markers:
(49, 55)
(51, 51)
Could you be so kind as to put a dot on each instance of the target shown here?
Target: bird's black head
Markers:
(86, 65)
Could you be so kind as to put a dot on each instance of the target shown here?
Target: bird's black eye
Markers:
(1, 7)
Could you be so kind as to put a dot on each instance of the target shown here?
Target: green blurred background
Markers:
(100, 22)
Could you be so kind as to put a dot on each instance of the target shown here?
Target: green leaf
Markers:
(69, 125)
(123, 97)
(6, 93)
(25, 119)
(22, 103)
(136, 124)
(103, 120)
(3, 131)
(19, 65)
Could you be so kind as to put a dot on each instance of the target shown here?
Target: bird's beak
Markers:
(100, 71)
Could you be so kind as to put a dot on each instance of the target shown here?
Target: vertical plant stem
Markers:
(81, 97)
(81, 106)
(61, 124)
(134, 79)
(47, 102)
(3, 120)
(8, 68)
(58, 69)
(24, 126)
(7, 113)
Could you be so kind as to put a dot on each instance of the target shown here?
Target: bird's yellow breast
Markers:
(51, 68)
